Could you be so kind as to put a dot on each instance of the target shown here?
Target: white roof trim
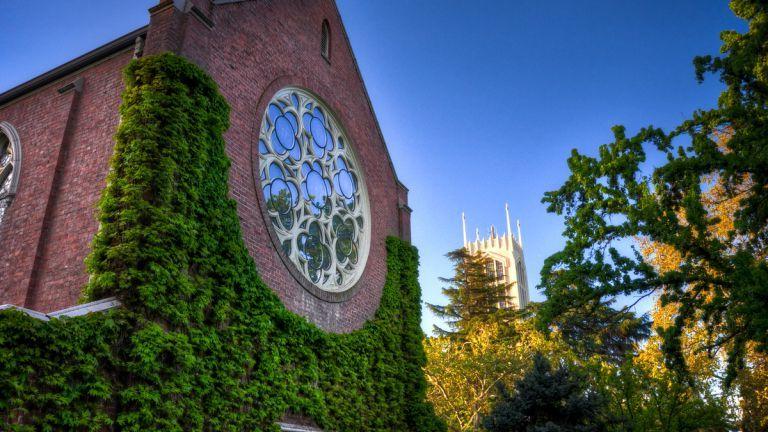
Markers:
(79, 310)
(288, 427)
(34, 314)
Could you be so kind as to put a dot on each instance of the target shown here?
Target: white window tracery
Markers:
(10, 164)
(314, 192)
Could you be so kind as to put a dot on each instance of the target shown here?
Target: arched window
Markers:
(10, 164)
(325, 41)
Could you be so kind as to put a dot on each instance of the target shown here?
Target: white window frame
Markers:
(13, 137)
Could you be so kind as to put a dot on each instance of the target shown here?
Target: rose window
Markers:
(314, 193)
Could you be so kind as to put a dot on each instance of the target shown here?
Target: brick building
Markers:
(316, 233)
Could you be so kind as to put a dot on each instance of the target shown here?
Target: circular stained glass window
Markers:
(314, 192)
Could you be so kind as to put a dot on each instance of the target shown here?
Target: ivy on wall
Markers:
(201, 344)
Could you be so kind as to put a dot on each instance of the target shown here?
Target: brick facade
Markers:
(251, 49)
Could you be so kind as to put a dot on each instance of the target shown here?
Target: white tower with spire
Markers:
(505, 254)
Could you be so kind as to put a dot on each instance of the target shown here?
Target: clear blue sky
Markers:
(480, 102)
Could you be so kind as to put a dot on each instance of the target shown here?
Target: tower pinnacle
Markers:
(509, 225)
(464, 228)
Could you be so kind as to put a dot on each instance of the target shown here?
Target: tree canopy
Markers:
(547, 400)
(612, 199)
(463, 373)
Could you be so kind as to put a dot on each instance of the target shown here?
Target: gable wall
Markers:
(253, 49)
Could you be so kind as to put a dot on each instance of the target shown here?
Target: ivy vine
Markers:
(201, 343)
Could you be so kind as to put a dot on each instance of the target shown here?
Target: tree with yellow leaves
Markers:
(752, 384)
(704, 359)
(463, 373)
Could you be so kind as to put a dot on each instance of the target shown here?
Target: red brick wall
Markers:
(66, 142)
(254, 49)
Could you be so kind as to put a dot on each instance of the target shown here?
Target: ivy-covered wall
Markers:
(200, 342)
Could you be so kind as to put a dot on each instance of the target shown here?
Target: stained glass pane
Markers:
(313, 190)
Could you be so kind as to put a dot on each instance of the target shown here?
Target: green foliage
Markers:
(53, 375)
(463, 373)
(609, 200)
(200, 342)
(600, 330)
(640, 394)
(474, 294)
(645, 397)
(547, 400)
(608, 356)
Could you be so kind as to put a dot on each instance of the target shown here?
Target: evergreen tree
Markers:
(475, 294)
(598, 329)
(547, 400)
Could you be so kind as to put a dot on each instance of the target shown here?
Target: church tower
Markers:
(507, 262)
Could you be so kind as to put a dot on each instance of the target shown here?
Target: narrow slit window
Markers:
(325, 41)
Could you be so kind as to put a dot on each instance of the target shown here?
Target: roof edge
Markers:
(367, 95)
(74, 65)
